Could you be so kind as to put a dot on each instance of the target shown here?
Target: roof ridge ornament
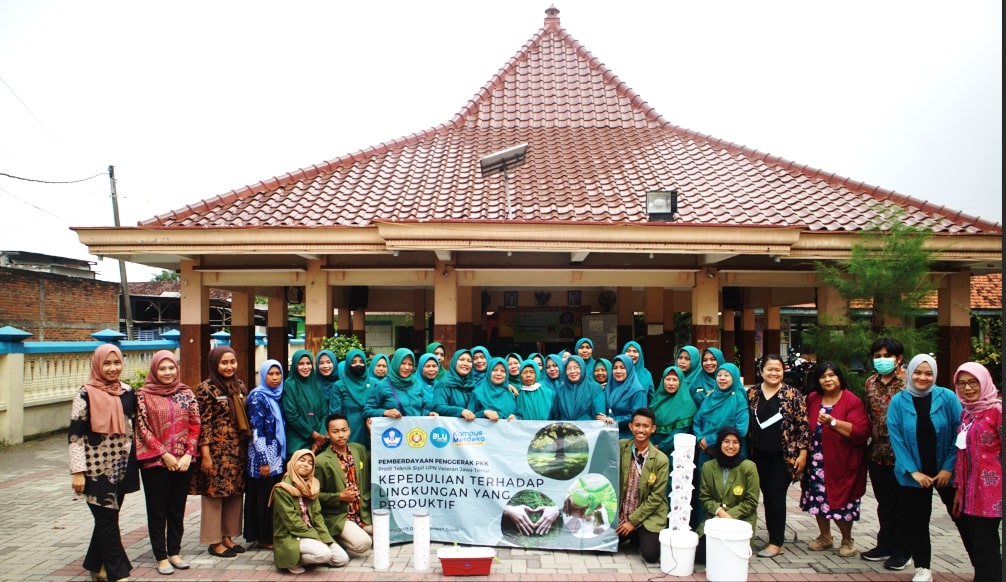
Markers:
(552, 18)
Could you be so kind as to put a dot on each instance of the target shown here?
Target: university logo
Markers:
(416, 438)
(440, 437)
(392, 438)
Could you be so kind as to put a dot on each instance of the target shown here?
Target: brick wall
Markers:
(57, 307)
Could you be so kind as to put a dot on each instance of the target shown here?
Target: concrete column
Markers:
(276, 332)
(624, 310)
(243, 336)
(445, 306)
(705, 310)
(317, 307)
(12, 384)
(953, 334)
(194, 305)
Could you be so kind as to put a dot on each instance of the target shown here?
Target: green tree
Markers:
(167, 276)
(889, 270)
(341, 344)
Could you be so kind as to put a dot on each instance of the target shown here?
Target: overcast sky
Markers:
(189, 100)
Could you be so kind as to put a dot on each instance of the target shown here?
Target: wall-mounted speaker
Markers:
(358, 297)
(733, 299)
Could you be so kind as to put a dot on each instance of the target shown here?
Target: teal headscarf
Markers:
(305, 406)
(476, 375)
(490, 396)
(534, 402)
(514, 380)
(705, 381)
(578, 400)
(397, 380)
(688, 377)
(723, 408)
(429, 385)
(673, 412)
(623, 398)
(430, 349)
(607, 367)
(327, 382)
(643, 376)
(373, 364)
(589, 363)
(549, 382)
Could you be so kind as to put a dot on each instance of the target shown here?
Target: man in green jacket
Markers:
(642, 484)
(344, 473)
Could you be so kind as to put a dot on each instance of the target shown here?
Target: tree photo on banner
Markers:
(549, 485)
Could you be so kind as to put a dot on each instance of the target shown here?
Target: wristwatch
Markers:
(833, 422)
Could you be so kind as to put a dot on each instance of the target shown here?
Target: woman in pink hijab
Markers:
(103, 465)
(978, 502)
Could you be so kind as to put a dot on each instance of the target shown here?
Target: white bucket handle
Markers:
(747, 557)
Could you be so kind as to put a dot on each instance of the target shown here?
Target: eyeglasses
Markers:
(968, 384)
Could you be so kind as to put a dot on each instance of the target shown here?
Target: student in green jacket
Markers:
(642, 485)
(730, 487)
(344, 473)
(299, 533)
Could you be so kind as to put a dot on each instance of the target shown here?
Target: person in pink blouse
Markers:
(167, 438)
(978, 502)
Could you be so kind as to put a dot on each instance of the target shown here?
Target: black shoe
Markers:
(227, 553)
(896, 563)
(875, 555)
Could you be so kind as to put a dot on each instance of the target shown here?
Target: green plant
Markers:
(341, 344)
(986, 347)
(888, 269)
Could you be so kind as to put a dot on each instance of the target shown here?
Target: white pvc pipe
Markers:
(382, 539)
(421, 540)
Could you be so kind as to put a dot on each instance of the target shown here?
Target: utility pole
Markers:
(127, 304)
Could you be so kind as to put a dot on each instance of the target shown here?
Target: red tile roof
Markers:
(594, 149)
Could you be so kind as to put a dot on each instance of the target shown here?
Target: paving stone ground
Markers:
(44, 533)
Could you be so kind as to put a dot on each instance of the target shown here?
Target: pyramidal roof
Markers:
(594, 148)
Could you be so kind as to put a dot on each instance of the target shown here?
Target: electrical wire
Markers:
(53, 181)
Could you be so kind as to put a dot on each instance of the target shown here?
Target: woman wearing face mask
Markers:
(578, 398)
(453, 395)
(886, 354)
(923, 421)
(352, 390)
(978, 472)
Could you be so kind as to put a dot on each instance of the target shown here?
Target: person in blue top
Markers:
(401, 393)
(378, 369)
(923, 422)
(453, 393)
(350, 398)
(480, 362)
(602, 373)
(643, 376)
(266, 452)
(673, 408)
(428, 370)
(726, 406)
(492, 397)
(578, 397)
(704, 382)
(551, 375)
(689, 361)
(305, 406)
(534, 401)
(585, 349)
(327, 368)
(624, 396)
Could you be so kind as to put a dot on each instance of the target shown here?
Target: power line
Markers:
(53, 181)
(39, 208)
(28, 109)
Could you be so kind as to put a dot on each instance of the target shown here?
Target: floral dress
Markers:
(814, 499)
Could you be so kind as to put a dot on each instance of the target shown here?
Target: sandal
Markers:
(821, 542)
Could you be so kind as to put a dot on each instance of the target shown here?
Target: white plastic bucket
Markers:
(728, 548)
(677, 552)
(684, 442)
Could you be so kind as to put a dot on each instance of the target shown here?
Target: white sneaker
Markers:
(922, 575)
